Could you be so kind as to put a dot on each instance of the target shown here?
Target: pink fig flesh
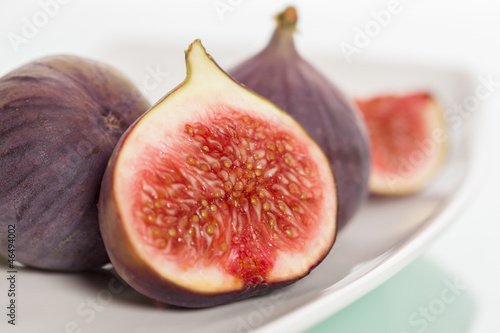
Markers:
(216, 195)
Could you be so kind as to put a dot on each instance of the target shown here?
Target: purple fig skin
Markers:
(61, 117)
(281, 75)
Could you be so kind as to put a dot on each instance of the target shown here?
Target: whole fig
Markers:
(280, 74)
(60, 118)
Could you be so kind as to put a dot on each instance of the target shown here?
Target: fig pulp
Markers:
(215, 194)
(60, 118)
(408, 141)
(280, 74)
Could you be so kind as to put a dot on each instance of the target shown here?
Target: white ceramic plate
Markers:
(385, 235)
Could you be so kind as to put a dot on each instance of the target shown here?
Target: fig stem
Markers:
(288, 18)
(282, 40)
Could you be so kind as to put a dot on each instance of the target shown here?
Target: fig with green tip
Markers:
(215, 194)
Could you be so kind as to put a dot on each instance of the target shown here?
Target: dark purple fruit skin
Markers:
(60, 118)
(281, 75)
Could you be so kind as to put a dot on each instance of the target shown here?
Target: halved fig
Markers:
(215, 194)
(408, 141)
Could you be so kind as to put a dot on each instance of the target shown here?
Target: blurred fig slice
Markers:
(215, 194)
(280, 74)
(408, 141)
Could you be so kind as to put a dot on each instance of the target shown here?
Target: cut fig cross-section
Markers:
(215, 194)
(408, 141)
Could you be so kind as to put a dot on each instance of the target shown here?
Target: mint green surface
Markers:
(421, 298)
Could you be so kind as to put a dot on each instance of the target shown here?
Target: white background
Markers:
(463, 34)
